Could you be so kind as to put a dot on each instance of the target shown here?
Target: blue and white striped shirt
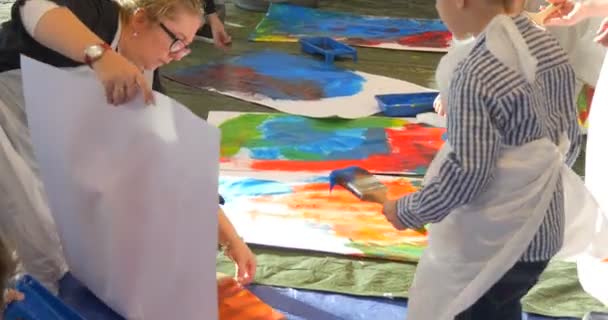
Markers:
(491, 106)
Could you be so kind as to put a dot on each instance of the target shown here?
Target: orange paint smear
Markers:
(237, 303)
(349, 217)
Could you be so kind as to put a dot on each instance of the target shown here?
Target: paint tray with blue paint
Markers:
(327, 47)
(359, 182)
(38, 304)
(406, 104)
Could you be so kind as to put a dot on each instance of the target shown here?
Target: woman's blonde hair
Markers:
(158, 9)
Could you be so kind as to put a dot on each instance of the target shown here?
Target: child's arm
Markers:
(467, 169)
(7, 269)
(573, 128)
(236, 249)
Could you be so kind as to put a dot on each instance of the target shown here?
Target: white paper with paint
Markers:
(276, 209)
(359, 105)
(243, 160)
(133, 191)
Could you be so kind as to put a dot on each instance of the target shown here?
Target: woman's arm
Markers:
(59, 29)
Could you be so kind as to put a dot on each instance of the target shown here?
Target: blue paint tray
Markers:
(39, 304)
(407, 104)
(327, 47)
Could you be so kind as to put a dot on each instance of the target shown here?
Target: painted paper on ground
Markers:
(281, 142)
(299, 212)
(286, 23)
(294, 84)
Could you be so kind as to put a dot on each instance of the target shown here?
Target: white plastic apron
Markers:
(592, 272)
(474, 246)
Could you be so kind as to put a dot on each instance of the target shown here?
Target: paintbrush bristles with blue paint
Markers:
(359, 182)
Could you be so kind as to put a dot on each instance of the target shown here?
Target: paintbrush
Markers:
(359, 182)
(540, 17)
(362, 184)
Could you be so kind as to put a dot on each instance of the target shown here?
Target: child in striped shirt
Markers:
(494, 195)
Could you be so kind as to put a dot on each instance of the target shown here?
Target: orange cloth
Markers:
(238, 303)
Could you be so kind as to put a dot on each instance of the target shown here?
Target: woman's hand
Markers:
(121, 79)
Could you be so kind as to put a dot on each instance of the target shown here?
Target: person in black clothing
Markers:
(213, 28)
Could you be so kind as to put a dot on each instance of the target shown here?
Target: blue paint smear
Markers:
(290, 20)
(293, 134)
(232, 188)
(334, 82)
(319, 179)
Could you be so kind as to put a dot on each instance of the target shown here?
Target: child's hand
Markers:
(390, 213)
(245, 261)
(438, 105)
(11, 295)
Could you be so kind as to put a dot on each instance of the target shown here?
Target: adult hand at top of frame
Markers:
(121, 79)
(245, 261)
(602, 33)
(569, 13)
(390, 213)
(221, 38)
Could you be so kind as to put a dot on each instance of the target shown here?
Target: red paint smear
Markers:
(412, 148)
(588, 92)
(367, 42)
(433, 39)
(349, 217)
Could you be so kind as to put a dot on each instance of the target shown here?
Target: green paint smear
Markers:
(242, 131)
(295, 154)
(400, 252)
(239, 130)
(582, 100)
(333, 124)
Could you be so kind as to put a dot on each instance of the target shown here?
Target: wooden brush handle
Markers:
(540, 17)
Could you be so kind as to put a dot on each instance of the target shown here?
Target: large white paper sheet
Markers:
(133, 191)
